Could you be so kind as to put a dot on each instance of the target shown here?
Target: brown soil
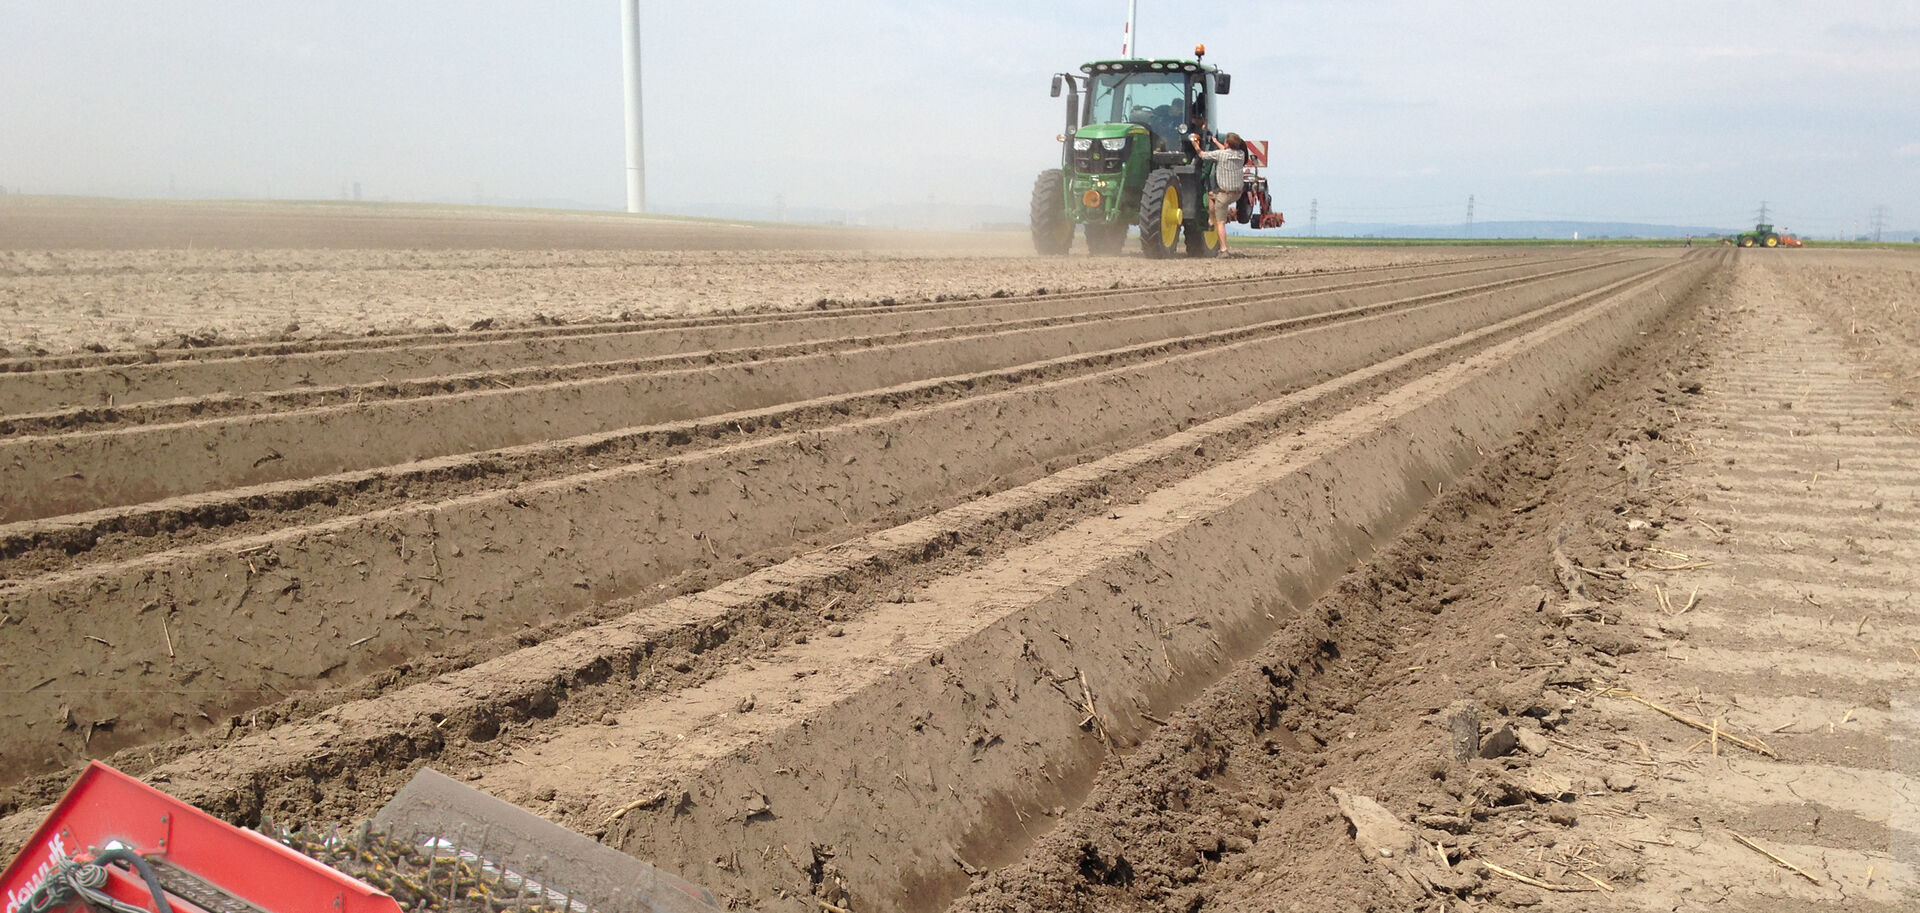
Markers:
(398, 564)
(80, 275)
(1055, 602)
(1775, 613)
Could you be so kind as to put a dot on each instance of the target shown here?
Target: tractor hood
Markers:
(1108, 131)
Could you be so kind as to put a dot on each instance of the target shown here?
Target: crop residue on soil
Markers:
(886, 580)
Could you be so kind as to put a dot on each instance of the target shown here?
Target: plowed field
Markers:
(861, 603)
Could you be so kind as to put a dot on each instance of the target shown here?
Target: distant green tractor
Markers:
(1126, 161)
(1763, 235)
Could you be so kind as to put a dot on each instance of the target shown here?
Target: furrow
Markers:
(34, 546)
(134, 377)
(974, 654)
(330, 602)
(74, 472)
(635, 352)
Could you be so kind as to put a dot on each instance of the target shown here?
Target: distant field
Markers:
(1269, 240)
(120, 274)
(92, 223)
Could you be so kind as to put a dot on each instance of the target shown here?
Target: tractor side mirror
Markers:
(1056, 85)
(1222, 83)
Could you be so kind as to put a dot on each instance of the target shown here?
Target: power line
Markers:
(1313, 218)
(1762, 218)
(1879, 221)
(1469, 215)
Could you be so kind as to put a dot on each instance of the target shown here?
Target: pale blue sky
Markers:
(1675, 112)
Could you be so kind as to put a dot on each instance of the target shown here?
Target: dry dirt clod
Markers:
(1457, 881)
(1622, 782)
(1452, 824)
(1501, 743)
(756, 805)
(1522, 897)
(1378, 832)
(1546, 787)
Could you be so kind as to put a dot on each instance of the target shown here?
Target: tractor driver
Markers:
(1197, 110)
(1164, 122)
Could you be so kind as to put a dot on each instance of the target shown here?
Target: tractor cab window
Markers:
(1200, 104)
(1156, 101)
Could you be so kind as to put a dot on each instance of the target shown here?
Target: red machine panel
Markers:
(203, 863)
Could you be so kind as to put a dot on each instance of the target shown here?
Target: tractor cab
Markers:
(1171, 98)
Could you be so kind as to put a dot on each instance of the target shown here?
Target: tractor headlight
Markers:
(1081, 144)
(1114, 145)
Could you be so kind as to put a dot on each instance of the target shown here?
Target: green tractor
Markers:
(1763, 235)
(1126, 161)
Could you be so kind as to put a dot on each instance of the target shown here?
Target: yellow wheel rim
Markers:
(1771, 242)
(1212, 238)
(1170, 216)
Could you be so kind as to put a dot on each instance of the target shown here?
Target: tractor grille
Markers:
(1099, 161)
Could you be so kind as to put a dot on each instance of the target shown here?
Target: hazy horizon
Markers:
(1384, 111)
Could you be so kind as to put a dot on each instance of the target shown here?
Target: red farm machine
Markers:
(116, 845)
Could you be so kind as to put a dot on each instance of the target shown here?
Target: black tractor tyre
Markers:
(1106, 240)
(1052, 230)
(1156, 222)
(1746, 242)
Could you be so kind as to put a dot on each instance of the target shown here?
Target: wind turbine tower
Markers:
(636, 136)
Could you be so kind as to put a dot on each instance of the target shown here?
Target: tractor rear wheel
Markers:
(1773, 241)
(1160, 215)
(1106, 240)
(1052, 230)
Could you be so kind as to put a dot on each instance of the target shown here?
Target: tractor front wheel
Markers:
(1106, 240)
(1746, 242)
(1052, 230)
(1161, 215)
